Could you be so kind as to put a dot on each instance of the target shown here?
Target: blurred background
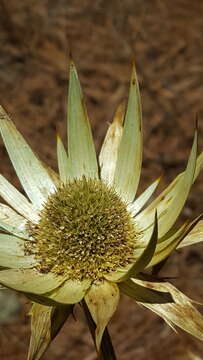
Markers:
(166, 40)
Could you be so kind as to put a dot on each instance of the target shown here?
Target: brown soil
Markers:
(165, 38)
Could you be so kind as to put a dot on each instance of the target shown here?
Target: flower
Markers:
(81, 236)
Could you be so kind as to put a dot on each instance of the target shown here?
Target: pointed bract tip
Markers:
(2, 111)
(134, 79)
(71, 61)
(157, 181)
(3, 114)
(56, 130)
(133, 60)
(196, 121)
(71, 64)
(58, 138)
(70, 55)
(134, 65)
(73, 70)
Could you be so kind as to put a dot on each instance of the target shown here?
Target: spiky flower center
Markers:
(84, 231)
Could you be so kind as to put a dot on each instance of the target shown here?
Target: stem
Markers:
(107, 350)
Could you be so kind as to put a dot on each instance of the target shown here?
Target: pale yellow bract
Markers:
(101, 239)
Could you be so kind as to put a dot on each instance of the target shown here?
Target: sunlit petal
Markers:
(33, 176)
(63, 161)
(180, 313)
(109, 151)
(11, 217)
(170, 203)
(102, 300)
(12, 253)
(70, 292)
(30, 280)
(18, 201)
(143, 294)
(46, 322)
(128, 167)
(194, 236)
(138, 204)
(81, 150)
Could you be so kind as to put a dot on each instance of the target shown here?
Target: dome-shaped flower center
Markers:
(84, 231)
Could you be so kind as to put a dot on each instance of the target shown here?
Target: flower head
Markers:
(84, 232)
(82, 235)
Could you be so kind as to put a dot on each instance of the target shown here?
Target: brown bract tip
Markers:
(120, 113)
